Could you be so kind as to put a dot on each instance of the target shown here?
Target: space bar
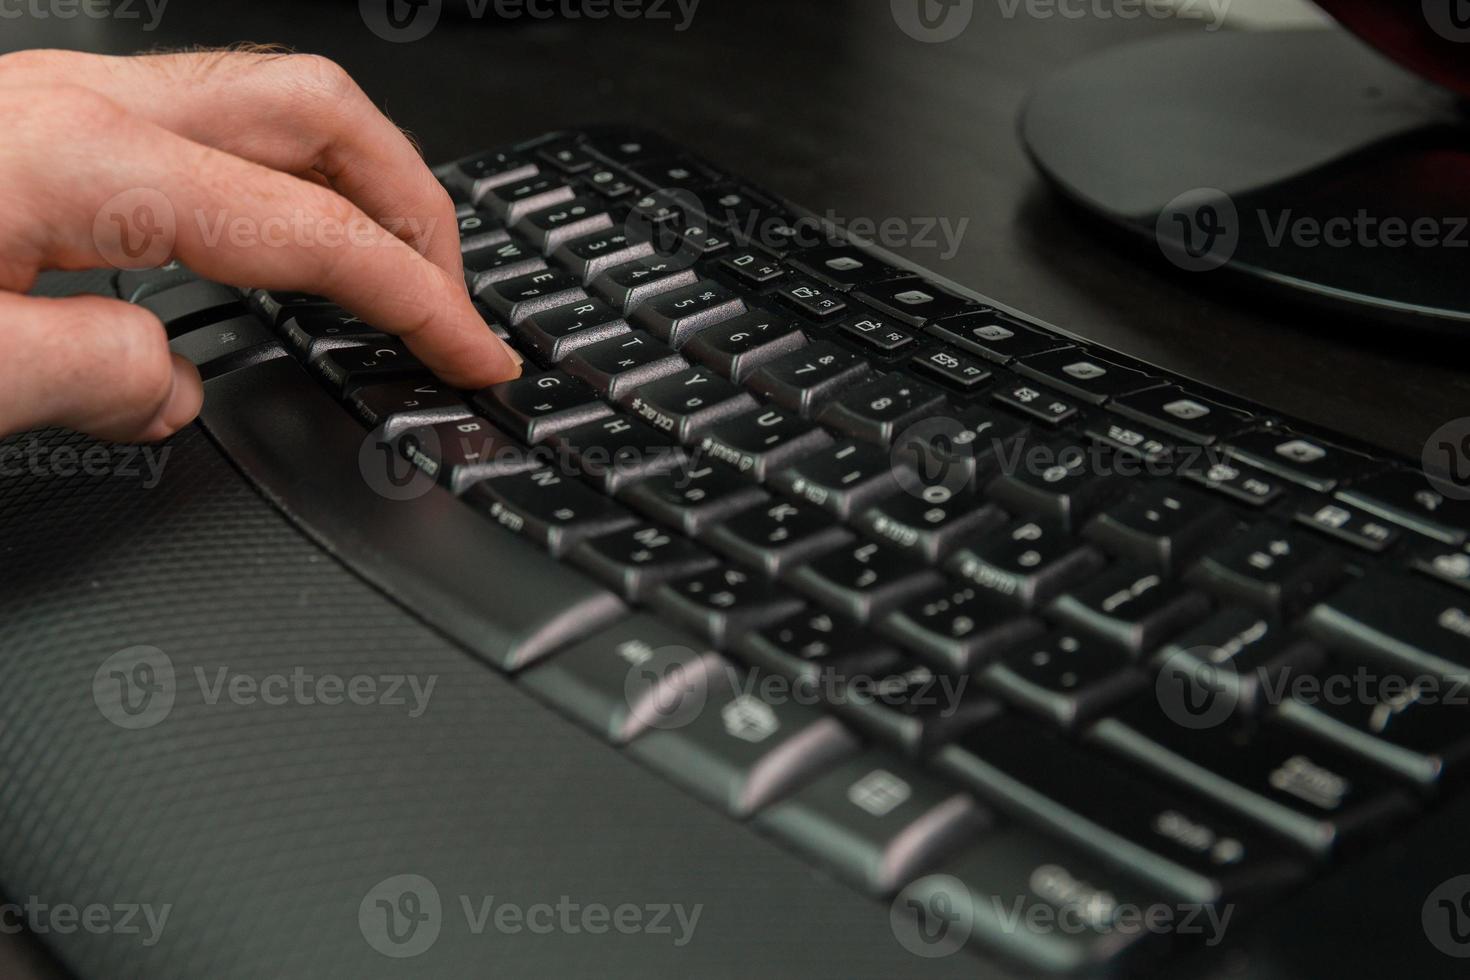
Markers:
(477, 583)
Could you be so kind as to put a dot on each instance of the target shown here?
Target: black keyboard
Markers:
(998, 626)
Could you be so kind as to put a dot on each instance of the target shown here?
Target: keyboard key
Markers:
(567, 157)
(674, 173)
(675, 317)
(1181, 414)
(995, 336)
(616, 451)
(912, 708)
(1089, 378)
(1063, 482)
(843, 266)
(1274, 569)
(1407, 498)
(816, 646)
(880, 410)
(876, 820)
(1131, 441)
(914, 301)
(1068, 679)
(754, 268)
(193, 304)
(635, 675)
(960, 372)
(778, 536)
(316, 331)
(482, 174)
(553, 334)
(929, 531)
(617, 366)
(1131, 608)
(1312, 464)
(461, 453)
(1347, 524)
(687, 403)
(1036, 403)
(812, 299)
(744, 751)
(1448, 565)
(534, 406)
(628, 286)
(844, 479)
(1162, 526)
(1240, 656)
(557, 512)
(724, 604)
(347, 367)
(1302, 790)
(512, 201)
(693, 497)
(737, 347)
(513, 300)
(401, 405)
(807, 379)
(228, 346)
(491, 264)
(959, 454)
(1398, 620)
(275, 306)
(639, 559)
(589, 257)
(136, 285)
(550, 228)
(958, 627)
(478, 228)
(763, 442)
(877, 335)
(1028, 563)
(1243, 484)
(862, 581)
(609, 184)
(1192, 851)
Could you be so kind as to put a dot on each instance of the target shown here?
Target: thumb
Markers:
(99, 366)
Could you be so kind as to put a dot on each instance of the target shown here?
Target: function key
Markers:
(1130, 440)
(813, 300)
(1037, 403)
(1182, 414)
(955, 370)
(1446, 564)
(1410, 500)
(844, 266)
(995, 336)
(1241, 483)
(753, 268)
(914, 301)
(877, 333)
(1359, 529)
(1313, 464)
(1089, 378)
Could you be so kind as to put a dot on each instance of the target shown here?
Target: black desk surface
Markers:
(834, 106)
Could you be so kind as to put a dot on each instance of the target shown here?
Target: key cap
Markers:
(876, 821)
(1243, 484)
(567, 156)
(843, 266)
(961, 453)
(753, 268)
(478, 228)
(763, 442)
(778, 536)
(136, 285)
(1067, 678)
(1182, 414)
(347, 367)
(958, 627)
(844, 479)
(401, 405)
(877, 335)
(555, 511)
(1193, 852)
(952, 369)
(725, 603)
(628, 286)
(675, 317)
(1132, 608)
(816, 646)
(912, 708)
(1304, 461)
(929, 531)
(995, 336)
(550, 228)
(879, 411)
(1083, 376)
(534, 406)
(513, 300)
(491, 264)
(737, 347)
(914, 301)
(639, 559)
(1014, 891)
(609, 184)
(1300, 789)
(616, 451)
(807, 379)
(1062, 481)
(1270, 568)
(1129, 442)
(699, 241)
(1035, 402)
(187, 307)
(512, 201)
(1239, 656)
(1408, 499)
(621, 364)
(637, 675)
(1397, 620)
(482, 174)
(276, 306)
(675, 172)
(1448, 565)
(461, 453)
(228, 346)
(1347, 524)
(693, 497)
(589, 257)
(686, 404)
(629, 148)
(316, 331)
(744, 751)
(1028, 563)
(812, 299)
(1415, 728)
(553, 334)
(1161, 525)
(862, 581)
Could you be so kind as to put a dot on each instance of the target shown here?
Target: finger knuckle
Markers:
(80, 109)
(31, 63)
(137, 349)
(323, 77)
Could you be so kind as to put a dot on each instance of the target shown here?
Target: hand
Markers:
(286, 147)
